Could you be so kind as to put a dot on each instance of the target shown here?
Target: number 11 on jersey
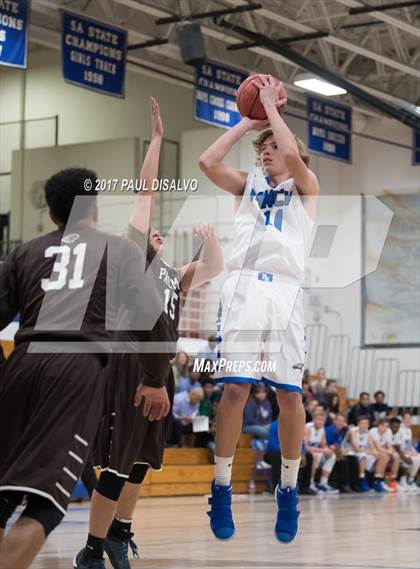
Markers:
(278, 218)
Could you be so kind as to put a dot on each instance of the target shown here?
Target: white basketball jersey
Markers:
(272, 229)
(361, 438)
(383, 438)
(406, 438)
(315, 436)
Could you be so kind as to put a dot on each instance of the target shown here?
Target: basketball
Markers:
(248, 99)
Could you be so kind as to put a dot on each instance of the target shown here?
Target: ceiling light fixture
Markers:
(316, 85)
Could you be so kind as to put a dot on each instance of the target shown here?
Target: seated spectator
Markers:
(258, 413)
(207, 409)
(379, 409)
(361, 409)
(323, 457)
(307, 394)
(273, 457)
(324, 394)
(186, 407)
(180, 366)
(368, 458)
(309, 410)
(333, 405)
(409, 452)
(380, 439)
(206, 405)
(191, 381)
(320, 382)
(211, 352)
(409, 464)
(335, 435)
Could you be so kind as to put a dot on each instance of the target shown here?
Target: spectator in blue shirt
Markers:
(335, 435)
(190, 382)
(186, 407)
(258, 413)
(336, 432)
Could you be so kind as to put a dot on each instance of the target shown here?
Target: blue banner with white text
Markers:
(329, 128)
(14, 29)
(215, 94)
(94, 54)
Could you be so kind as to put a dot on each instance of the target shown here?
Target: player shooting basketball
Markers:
(261, 300)
(131, 440)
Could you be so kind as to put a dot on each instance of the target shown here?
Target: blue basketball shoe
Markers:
(287, 523)
(364, 486)
(221, 520)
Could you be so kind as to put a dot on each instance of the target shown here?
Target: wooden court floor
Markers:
(337, 532)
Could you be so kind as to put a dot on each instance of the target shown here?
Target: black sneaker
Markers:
(117, 552)
(81, 562)
(306, 491)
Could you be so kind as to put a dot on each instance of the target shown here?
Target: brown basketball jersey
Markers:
(70, 287)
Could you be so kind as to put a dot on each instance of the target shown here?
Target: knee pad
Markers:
(110, 485)
(44, 512)
(138, 473)
(9, 501)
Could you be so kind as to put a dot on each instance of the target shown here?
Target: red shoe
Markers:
(392, 485)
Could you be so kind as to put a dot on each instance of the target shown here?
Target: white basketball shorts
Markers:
(260, 330)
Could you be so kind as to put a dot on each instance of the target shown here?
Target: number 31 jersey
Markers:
(272, 229)
(72, 285)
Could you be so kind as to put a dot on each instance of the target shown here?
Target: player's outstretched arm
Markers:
(212, 163)
(209, 266)
(144, 200)
(305, 179)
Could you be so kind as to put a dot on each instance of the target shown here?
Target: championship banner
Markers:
(215, 94)
(94, 54)
(14, 24)
(329, 128)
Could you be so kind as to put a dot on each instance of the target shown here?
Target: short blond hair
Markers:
(262, 137)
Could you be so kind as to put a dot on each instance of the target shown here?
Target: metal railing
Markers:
(338, 353)
(385, 378)
(407, 393)
(316, 340)
(361, 371)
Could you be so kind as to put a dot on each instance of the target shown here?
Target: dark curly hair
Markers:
(61, 190)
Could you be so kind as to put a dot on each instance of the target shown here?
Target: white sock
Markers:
(403, 480)
(324, 481)
(289, 471)
(223, 474)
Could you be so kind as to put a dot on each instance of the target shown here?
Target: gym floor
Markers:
(340, 532)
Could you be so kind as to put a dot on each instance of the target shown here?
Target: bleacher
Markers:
(189, 471)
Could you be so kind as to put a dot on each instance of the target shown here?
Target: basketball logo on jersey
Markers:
(70, 238)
